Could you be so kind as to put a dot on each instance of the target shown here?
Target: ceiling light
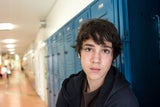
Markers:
(10, 46)
(6, 26)
(11, 50)
(24, 58)
(9, 40)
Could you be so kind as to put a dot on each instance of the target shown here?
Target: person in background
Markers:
(4, 72)
(1, 75)
(99, 84)
(9, 70)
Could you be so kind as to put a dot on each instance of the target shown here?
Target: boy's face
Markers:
(96, 59)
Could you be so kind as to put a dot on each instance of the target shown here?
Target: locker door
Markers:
(49, 78)
(56, 88)
(85, 15)
(124, 33)
(54, 70)
(103, 8)
(60, 53)
(54, 55)
(69, 51)
(82, 17)
(119, 61)
(60, 80)
(52, 99)
(48, 81)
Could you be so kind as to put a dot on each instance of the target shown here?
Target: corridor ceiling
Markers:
(26, 16)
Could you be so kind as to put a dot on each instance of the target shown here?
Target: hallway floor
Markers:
(18, 92)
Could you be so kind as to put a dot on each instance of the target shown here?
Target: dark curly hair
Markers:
(100, 30)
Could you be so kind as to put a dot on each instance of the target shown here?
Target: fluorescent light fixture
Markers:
(10, 45)
(9, 40)
(11, 50)
(6, 26)
(30, 51)
(24, 58)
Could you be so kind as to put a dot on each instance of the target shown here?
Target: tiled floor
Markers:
(17, 92)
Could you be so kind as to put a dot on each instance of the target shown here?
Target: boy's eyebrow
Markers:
(105, 46)
(88, 45)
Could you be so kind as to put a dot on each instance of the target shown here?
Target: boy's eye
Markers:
(87, 49)
(107, 51)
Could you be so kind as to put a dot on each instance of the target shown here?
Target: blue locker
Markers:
(60, 82)
(52, 90)
(119, 61)
(56, 89)
(55, 70)
(68, 48)
(48, 81)
(54, 55)
(60, 52)
(103, 8)
(124, 33)
(83, 16)
(49, 72)
(143, 24)
(47, 47)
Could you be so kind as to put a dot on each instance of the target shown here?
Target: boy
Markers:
(99, 84)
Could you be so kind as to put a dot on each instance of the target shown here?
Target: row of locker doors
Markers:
(61, 58)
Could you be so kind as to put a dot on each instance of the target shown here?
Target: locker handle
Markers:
(52, 54)
(58, 53)
(80, 20)
(100, 6)
(60, 34)
(68, 28)
(65, 52)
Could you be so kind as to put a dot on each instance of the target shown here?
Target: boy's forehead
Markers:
(91, 41)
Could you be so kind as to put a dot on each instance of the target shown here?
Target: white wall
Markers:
(62, 12)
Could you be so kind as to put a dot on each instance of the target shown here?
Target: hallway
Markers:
(17, 92)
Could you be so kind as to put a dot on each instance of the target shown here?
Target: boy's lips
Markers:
(95, 69)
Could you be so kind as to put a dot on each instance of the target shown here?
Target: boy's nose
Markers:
(96, 58)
